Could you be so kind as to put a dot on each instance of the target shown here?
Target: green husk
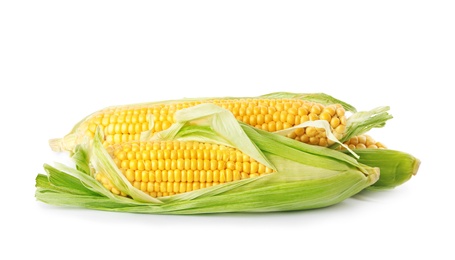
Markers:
(361, 122)
(306, 176)
(396, 167)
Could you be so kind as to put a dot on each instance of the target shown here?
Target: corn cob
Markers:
(165, 168)
(126, 123)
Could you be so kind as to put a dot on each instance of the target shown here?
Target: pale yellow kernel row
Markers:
(171, 187)
(363, 142)
(190, 164)
(188, 175)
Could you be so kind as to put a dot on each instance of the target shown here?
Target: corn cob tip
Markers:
(66, 143)
(373, 175)
(415, 167)
(56, 144)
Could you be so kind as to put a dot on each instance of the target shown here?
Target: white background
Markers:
(61, 60)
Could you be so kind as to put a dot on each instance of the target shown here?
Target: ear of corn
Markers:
(303, 177)
(272, 112)
(165, 168)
